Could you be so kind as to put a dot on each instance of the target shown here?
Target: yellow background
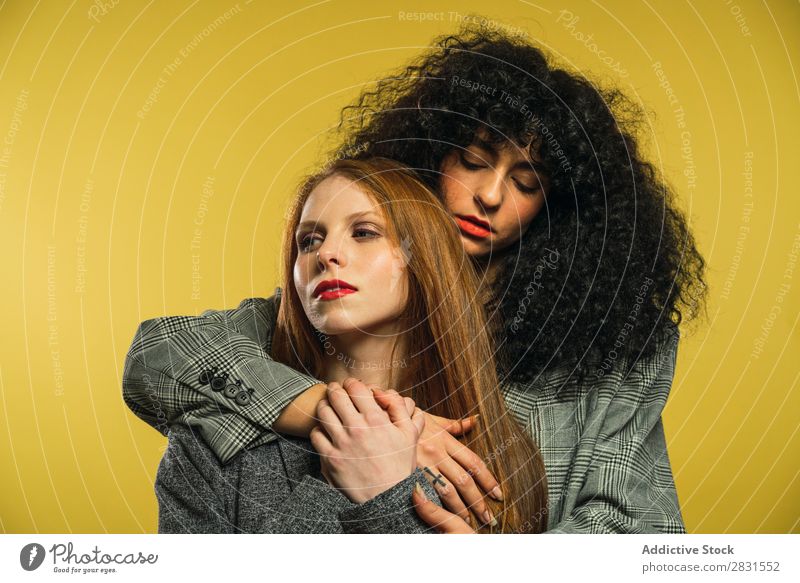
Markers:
(101, 196)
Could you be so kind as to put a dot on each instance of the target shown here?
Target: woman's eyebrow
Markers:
(529, 165)
(484, 145)
(350, 217)
(362, 214)
(521, 165)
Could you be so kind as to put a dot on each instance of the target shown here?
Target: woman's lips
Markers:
(472, 229)
(330, 289)
(335, 293)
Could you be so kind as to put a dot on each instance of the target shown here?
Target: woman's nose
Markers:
(490, 193)
(330, 254)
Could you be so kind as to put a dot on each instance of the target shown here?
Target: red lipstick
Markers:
(472, 225)
(330, 289)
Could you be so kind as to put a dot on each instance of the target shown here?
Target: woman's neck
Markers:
(365, 357)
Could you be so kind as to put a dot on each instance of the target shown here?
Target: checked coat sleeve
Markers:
(212, 372)
(618, 478)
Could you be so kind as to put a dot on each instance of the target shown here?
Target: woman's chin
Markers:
(351, 328)
(336, 325)
(340, 321)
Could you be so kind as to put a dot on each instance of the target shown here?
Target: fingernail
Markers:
(488, 518)
(496, 493)
(420, 491)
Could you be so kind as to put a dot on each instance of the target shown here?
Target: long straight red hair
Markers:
(451, 368)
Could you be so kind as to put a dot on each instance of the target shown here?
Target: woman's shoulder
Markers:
(632, 370)
(187, 444)
(568, 404)
(188, 453)
(190, 441)
(189, 464)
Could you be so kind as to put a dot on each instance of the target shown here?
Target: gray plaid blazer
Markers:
(603, 442)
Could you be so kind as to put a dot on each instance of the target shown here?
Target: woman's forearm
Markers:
(299, 417)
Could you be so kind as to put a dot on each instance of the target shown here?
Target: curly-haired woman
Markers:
(588, 267)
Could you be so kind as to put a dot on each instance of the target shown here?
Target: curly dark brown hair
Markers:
(609, 266)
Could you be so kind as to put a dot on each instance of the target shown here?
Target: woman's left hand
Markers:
(444, 521)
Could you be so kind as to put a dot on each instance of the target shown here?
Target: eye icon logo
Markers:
(31, 556)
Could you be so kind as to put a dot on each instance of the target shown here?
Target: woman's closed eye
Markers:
(525, 188)
(475, 164)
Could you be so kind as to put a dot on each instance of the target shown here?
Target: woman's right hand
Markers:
(454, 468)
(364, 449)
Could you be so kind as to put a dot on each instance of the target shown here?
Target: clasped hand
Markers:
(364, 449)
(370, 439)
